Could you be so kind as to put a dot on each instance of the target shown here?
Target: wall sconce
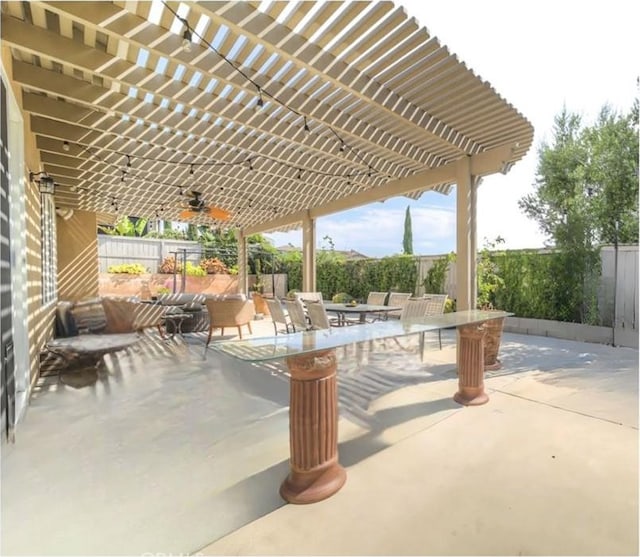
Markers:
(64, 214)
(45, 182)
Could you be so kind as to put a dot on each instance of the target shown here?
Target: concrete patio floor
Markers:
(172, 453)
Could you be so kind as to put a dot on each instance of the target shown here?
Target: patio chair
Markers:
(376, 298)
(278, 315)
(435, 306)
(421, 307)
(320, 319)
(295, 309)
(318, 316)
(229, 313)
(414, 307)
(305, 297)
(398, 299)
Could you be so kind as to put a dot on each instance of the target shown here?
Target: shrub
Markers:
(213, 266)
(195, 270)
(168, 266)
(127, 269)
(436, 277)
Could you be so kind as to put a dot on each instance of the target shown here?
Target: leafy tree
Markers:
(560, 204)
(407, 240)
(612, 175)
(586, 194)
(587, 181)
(124, 226)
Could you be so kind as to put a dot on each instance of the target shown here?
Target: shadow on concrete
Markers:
(355, 450)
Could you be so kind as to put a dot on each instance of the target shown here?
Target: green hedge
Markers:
(560, 286)
(358, 277)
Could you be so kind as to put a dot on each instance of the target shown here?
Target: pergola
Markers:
(276, 112)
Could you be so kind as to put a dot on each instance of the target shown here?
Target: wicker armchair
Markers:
(229, 313)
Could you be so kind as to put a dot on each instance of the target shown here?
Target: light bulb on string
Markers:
(186, 37)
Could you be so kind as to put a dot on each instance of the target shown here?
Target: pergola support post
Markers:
(308, 254)
(243, 275)
(466, 201)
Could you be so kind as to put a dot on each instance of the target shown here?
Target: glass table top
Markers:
(282, 346)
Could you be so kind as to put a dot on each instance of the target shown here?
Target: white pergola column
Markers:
(308, 254)
(243, 278)
(466, 202)
(475, 184)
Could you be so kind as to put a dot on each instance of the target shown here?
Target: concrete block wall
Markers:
(571, 331)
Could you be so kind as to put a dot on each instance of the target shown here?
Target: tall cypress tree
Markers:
(407, 240)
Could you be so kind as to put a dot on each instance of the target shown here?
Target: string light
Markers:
(125, 174)
(187, 37)
(181, 188)
(238, 69)
(242, 160)
(187, 45)
(65, 146)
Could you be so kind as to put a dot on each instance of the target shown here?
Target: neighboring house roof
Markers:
(348, 254)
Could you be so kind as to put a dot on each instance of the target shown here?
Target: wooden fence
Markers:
(624, 290)
(149, 252)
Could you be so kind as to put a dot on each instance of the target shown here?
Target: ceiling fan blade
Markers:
(187, 213)
(218, 213)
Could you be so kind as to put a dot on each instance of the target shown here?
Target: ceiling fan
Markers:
(196, 206)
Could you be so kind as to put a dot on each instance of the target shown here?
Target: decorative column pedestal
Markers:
(471, 366)
(313, 429)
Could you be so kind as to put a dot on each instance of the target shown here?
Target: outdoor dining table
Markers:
(362, 309)
(315, 472)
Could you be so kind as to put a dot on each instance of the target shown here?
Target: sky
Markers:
(539, 56)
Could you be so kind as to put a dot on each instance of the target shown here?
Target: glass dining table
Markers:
(315, 473)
